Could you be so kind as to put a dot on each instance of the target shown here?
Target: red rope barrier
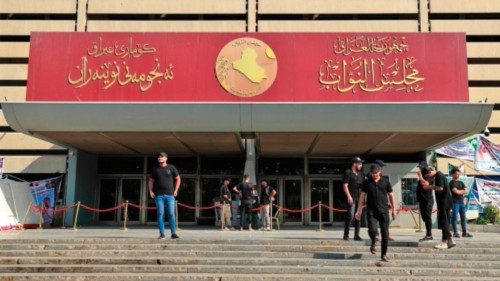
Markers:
(63, 209)
(334, 209)
(296, 211)
(101, 210)
(141, 207)
(196, 207)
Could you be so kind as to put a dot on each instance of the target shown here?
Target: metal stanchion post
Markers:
(419, 221)
(26, 215)
(63, 224)
(320, 229)
(40, 221)
(271, 215)
(222, 215)
(75, 219)
(125, 216)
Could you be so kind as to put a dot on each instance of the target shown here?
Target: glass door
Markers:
(131, 190)
(321, 190)
(108, 198)
(292, 199)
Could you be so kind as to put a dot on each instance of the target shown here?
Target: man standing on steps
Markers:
(245, 190)
(435, 180)
(458, 190)
(162, 188)
(267, 194)
(353, 180)
(377, 194)
(382, 165)
(225, 199)
(425, 202)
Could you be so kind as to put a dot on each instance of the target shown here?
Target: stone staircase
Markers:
(239, 259)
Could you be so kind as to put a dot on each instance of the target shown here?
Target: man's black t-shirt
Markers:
(459, 185)
(265, 192)
(424, 195)
(164, 179)
(246, 191)
(442, 197)
(376, 195)
(224, 190)
(354, 183)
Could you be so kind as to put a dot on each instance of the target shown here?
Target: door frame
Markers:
(330, 198)
(119, 180)
(280, 192)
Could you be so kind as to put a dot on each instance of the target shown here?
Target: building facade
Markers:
(305, 165)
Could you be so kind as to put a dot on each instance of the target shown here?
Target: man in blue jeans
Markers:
(458, 190)
(162, 188)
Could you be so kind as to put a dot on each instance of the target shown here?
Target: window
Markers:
(185, 165)
(409, 191)
(222, 166)
(327, 166)
(120, 165)
(281, 166)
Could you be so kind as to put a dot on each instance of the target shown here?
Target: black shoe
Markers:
(162, 236)
(426, 238)
(384, 259)
(357, 238)
(456, 235)
(174, 236)
(346, 238)
(467, 235)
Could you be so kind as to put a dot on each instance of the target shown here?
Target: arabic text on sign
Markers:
(370, 75)
(365, 44)
(113, 73)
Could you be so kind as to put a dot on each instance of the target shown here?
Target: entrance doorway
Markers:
(289, 195)
(115, 191)
(329, 192)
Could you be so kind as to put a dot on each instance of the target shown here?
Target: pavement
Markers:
(208, 233)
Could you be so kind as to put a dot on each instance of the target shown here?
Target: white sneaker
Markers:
(451, 243)
(226, 228)
(441, 246)
(268, 228)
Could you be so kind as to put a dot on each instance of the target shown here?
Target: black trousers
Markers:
(444, 221)
(245, 213)
(351, 210)
(425, 207)
(383, 220)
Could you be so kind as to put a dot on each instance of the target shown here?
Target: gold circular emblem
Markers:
(246, 67)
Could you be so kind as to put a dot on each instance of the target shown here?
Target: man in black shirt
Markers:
(435, 180)
(425, 202)
(162, 188)
(353, 181)
(225, 199)
(377, 191)
(245, 190)
(267, 194)
(458, 190)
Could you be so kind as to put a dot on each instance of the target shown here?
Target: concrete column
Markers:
(81, 15)
(81, 184)
(251, 15)
(423, 16)
(250, 164)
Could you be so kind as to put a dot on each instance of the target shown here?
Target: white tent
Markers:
(15, 198)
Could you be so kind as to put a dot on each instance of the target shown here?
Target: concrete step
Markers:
(425, 254)
(230, 247)
(380, 268)
(240, 261)
(117, 276)
(464, 243)
(363, 253)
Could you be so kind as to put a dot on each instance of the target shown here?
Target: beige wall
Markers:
(470, 16)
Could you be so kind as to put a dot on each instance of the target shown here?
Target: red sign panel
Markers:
(248, 67)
